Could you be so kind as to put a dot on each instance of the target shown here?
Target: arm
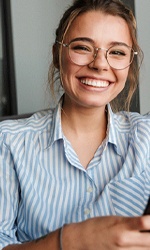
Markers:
(50, 241)
(9, 196)
(111, 232)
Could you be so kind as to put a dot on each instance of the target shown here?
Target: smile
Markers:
(95, 83)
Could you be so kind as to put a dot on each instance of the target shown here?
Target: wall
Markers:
(143, 24)
(34, 23)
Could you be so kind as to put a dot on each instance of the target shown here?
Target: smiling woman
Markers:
(74, 174)
(123, 100)
(26, 33)
(96, 70)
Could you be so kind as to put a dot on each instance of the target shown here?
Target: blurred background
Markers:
(27, 29)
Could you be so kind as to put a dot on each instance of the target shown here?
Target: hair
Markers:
(108, 7)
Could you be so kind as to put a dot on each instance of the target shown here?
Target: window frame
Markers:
(8, 68)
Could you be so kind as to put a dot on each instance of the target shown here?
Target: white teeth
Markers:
(95, 83)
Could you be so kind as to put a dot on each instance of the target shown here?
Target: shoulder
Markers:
(37, 122)
(132, 120)
(137, 126)
(134, 128)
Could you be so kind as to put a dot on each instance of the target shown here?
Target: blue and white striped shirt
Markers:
(43, 185)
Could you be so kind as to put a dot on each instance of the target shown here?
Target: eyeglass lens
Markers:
(83, 52)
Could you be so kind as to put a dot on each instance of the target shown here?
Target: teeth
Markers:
(95, 83)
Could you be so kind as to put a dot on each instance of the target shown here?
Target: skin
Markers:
(87, 104)
(103, 33)
(84, 104)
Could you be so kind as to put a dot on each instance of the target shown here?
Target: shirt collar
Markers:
(56, 129)
(57, 134)
(53, 131)
(112, 130)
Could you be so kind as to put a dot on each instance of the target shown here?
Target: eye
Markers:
(80, 48)
(117, 52)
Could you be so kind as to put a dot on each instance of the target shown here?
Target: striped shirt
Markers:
(43, 185)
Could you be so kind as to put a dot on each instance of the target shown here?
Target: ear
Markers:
(55, 52)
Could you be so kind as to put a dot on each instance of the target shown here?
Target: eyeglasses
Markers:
(118, 56)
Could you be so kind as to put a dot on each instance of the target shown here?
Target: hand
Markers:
(108, 233)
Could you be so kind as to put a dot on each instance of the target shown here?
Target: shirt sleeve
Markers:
(9, 196)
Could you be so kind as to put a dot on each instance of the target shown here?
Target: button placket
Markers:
(87, 211)
(89, 189)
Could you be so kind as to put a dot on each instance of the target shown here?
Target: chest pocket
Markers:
(129, 196)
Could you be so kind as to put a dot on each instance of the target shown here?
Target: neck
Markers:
(83, 120)
(85, 128)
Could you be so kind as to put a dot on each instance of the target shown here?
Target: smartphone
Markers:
(147, 209)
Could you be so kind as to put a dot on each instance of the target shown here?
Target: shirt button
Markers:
(87, 211)
(90, 190)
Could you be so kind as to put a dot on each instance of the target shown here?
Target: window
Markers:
(8, 104)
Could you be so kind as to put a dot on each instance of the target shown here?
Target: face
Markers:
(78, 81)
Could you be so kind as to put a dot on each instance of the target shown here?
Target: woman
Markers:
(77, 177)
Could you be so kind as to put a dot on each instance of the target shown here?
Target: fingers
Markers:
(134, 233)
(133, 239)
(139, 223)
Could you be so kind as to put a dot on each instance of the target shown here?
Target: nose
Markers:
(100, 60)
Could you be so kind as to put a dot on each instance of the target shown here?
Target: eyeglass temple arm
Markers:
(63, 44)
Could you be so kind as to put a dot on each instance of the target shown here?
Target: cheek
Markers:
(122, 76)
(65, 60)
(68, 68)
(66, 71)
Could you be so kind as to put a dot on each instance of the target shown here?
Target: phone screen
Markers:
(147, 209)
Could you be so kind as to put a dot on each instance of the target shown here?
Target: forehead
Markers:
(100, 27)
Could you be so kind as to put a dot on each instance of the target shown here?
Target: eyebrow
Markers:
(87, 39)
(119, 43)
